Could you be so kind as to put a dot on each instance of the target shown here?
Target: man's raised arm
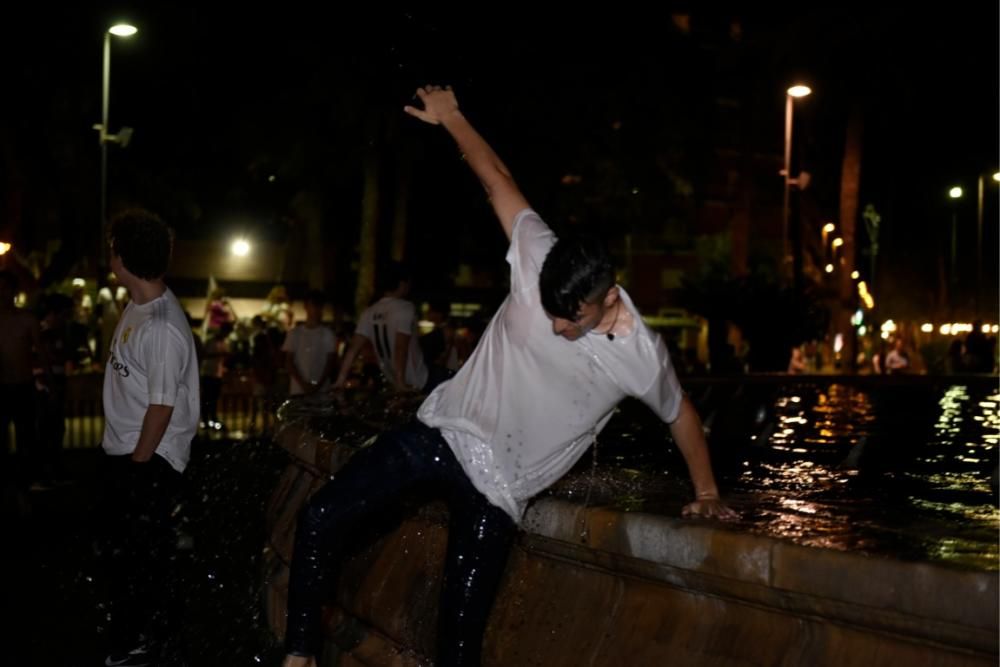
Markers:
(441, 108)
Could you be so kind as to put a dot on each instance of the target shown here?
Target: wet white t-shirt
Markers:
(528, 403)
(152, 361)
(380, 323)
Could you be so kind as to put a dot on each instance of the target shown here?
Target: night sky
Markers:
(223, 99)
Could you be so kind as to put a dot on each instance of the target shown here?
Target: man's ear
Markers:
(611, 296)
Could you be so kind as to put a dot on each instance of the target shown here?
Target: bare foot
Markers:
(299, 661)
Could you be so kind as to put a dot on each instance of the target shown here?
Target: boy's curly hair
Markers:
(143, 241)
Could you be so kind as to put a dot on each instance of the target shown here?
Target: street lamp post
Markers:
(123, 137)
(954, 193)
(792, 93)
(979, 235)
(979, 240)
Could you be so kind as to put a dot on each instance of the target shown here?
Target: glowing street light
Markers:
(827, 230)
(955, 192)
(5, 248)
(123, 30)
(240, 247)
(855, 275)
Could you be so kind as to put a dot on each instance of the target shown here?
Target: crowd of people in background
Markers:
(393, 342)
(59, 334)
(900, 355)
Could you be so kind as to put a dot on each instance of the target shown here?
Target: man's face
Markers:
(587, 317)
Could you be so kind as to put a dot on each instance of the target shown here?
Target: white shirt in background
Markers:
(310, 349)
(380, 323)
(152, 361)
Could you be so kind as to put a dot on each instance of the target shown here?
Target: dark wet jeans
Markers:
(479, 538)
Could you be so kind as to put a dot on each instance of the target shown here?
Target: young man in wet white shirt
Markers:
(151, 404)
(564, 348)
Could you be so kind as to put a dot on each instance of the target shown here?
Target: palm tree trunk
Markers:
(850, 185)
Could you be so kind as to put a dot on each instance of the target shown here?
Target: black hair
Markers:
(392, 275)
(577, 270)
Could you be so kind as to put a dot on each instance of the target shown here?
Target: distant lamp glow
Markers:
(799, 91)
(865, 295)
(996, 176)
(955, 192)
(855, 275)
(945, 329)
(858, 317)
(995, 328)
(829, 227)
(986, 328)
(123, 30)
(829, 268)
(837, 242)
(240, 248)
(927, 327)
(885, 335)
(862, 330)
(4, 248)
(889, 326)
(79, 282)
(838, 343)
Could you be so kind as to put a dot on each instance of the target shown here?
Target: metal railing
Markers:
(242, 413)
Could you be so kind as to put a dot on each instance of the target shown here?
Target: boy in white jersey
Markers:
(563, 349)
(151, 404)
(390, 325)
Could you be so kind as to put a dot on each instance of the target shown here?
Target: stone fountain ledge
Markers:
(595, 586)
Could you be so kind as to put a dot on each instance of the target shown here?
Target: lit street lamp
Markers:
(123, 137)
(827, 230)
(954, 193)
(794, 92)
(240, 247)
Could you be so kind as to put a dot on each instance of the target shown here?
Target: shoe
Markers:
(137, 657)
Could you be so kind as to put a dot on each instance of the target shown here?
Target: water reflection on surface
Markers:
(898, 471)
